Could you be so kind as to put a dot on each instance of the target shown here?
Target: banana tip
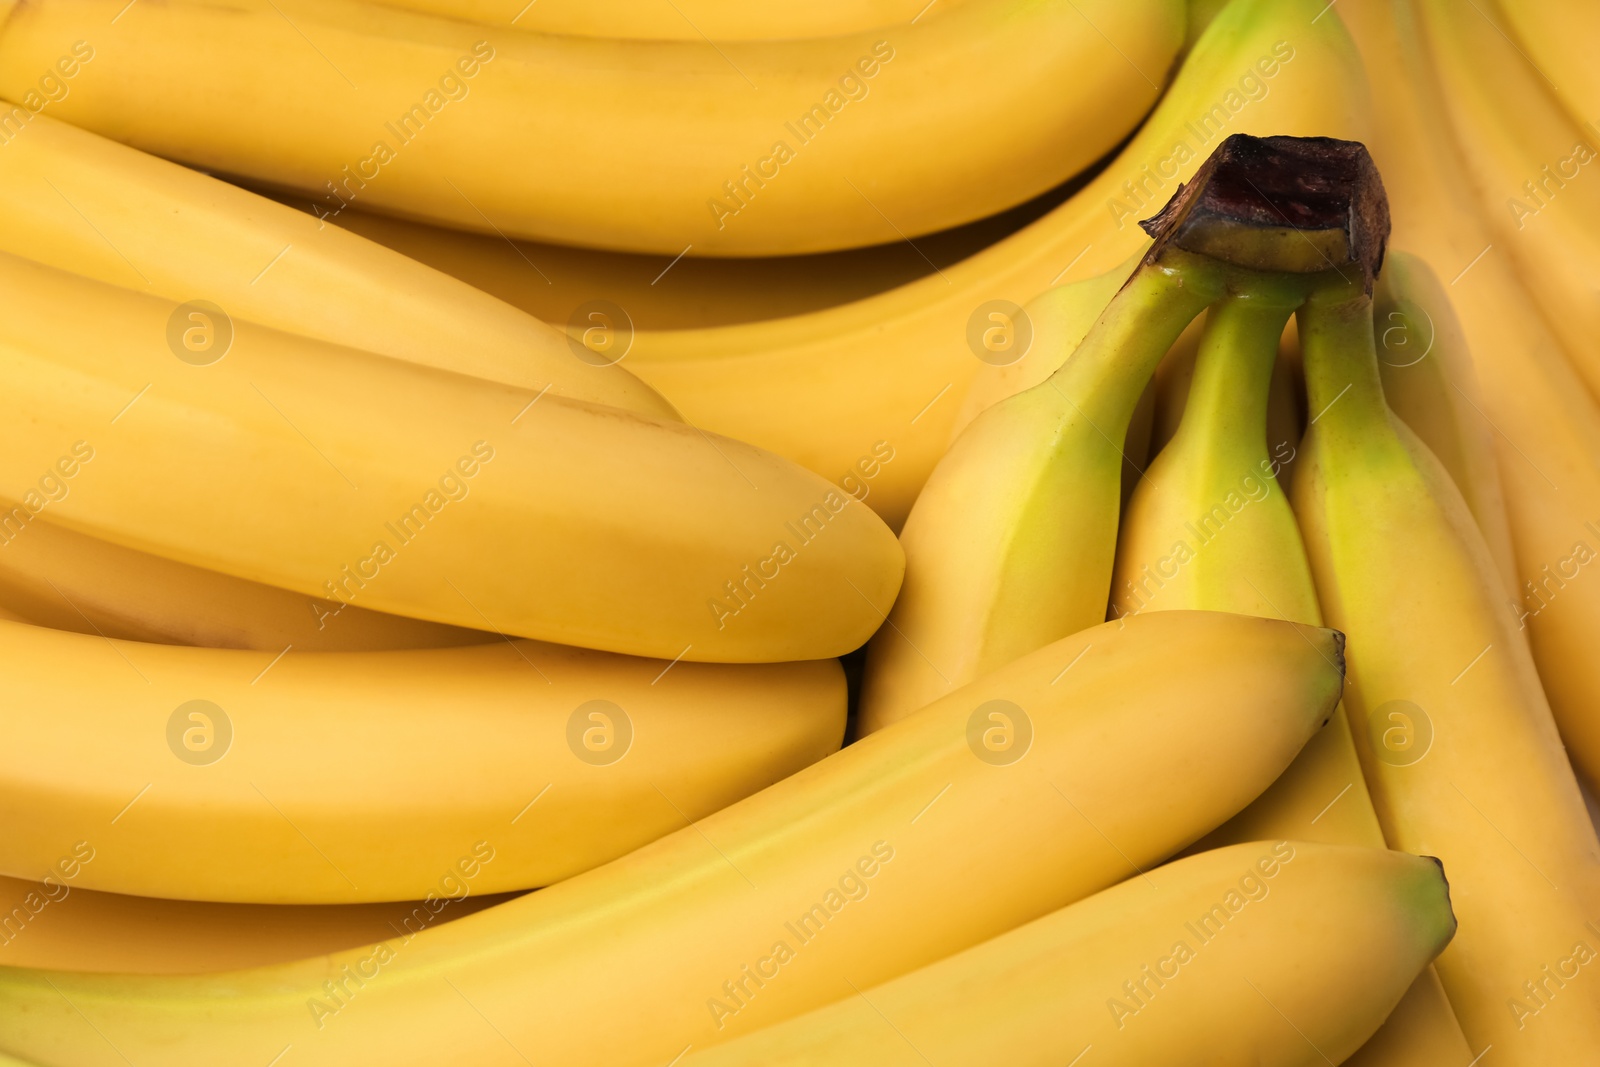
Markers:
(1449, 904)
(1338, 651)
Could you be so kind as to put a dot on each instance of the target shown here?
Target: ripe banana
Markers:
(55, 577)
(1426, 367)
(565, 286)
(57, 926)
(405, 489)
(211, 774)
(682, 20)
(1545, 425)
(1010, 545)
(1213, 952)
(86, 204)
(1533, 169)
(1017, 786)
(751, 148)
(1209, 528)
(1455, 735)
(825, 389)
(1556, 37)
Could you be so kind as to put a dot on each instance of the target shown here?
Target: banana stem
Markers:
(1343, 387)
(1109, 371)
(1233, 370)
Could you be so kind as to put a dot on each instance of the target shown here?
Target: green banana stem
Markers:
(1105, 377)
(1343, 386)
(1227, 404)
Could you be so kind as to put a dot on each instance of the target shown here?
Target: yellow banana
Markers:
(69, 581)
(1209, 528)
(86, 204)
(1428, 382)
(56, 926)
(681, 20)
(884, 375)
(1010, 545)
(565, 286)
(1039, 785)
(751, 148)
(1460, 751)
(1203, 960)
(405, 489)
(212, 774)
(1556, 36)
(1536, 172)
(1545, 426)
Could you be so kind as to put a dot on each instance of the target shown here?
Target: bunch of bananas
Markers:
(862, 533)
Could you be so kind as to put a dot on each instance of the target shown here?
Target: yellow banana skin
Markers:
(1209, 528)
(405, 489)
(1530, 166)
(1555, 36)
(892, 368)
(1455, 735)
(54, 925)
(290, 780)
(54, 577)
(681, 20)
(870, 837)
(1545, 424)
(1010, 546)
(80, 202)
(1428, 381)
(753, 148)
(1054, 989)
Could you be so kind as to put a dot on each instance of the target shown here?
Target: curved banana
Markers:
(751, 148)
(1015, 786)
(404, 489)
(1556, 36)
(211, 774)
(1546, 426)
(843, 387)
(1460, 751)
(1428, 381)
(1327, 937)
(1209, 528)
(1010, 545)
(80, 202)
(54, 925)
(564, 286)
(681, 20)
(55, 577)
(1531, 167)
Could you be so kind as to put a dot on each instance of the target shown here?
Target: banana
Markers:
(80, 202)
(54, 577)
(1010, 545)
(1555, 37)
(682, 20)
(751, 148)
(1455, 735)
(1529, 164)
(1209, 528)
(565, 286)
(404, 489)
(1017, 786)
(839, 389)
(189, 774)
(1544, 423)
(1141, 975)
(1426, 367)
(53, 925)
